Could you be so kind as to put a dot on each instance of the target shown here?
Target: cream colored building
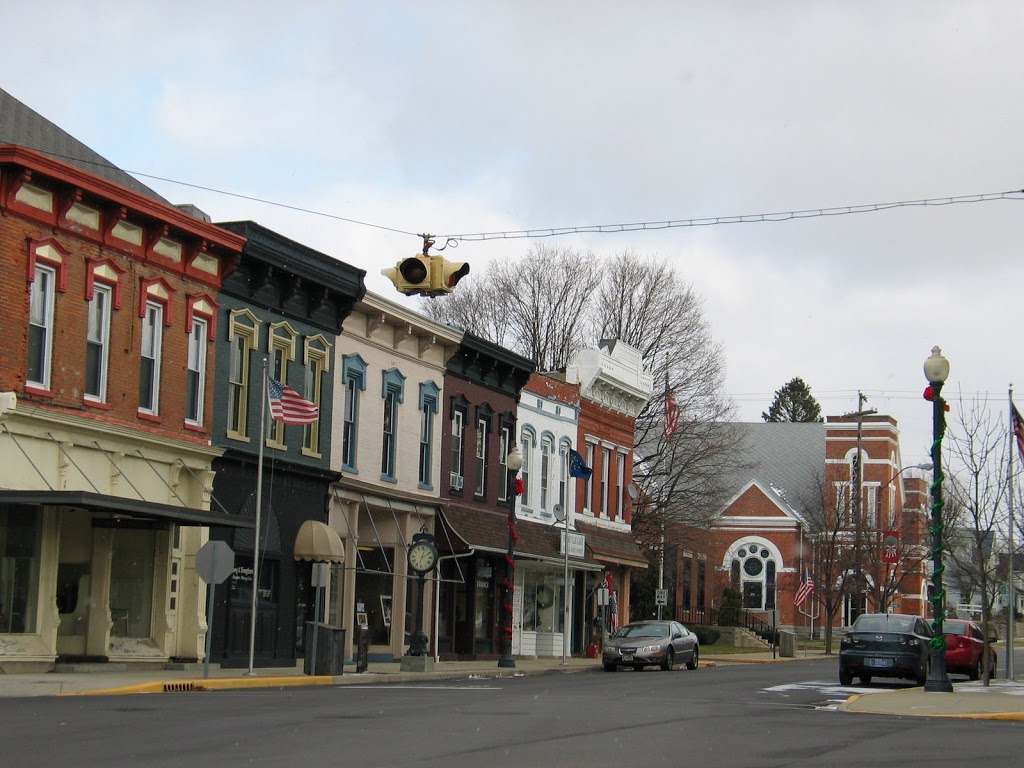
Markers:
(389, 376)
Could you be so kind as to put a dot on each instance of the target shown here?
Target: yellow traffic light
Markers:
(411, 276)
(448, 273)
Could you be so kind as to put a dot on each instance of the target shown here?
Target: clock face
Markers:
(422, 557)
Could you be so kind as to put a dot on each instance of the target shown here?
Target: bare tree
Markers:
(976, 489)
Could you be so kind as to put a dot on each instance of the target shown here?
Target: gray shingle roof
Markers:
(23, 126)
(785, 458)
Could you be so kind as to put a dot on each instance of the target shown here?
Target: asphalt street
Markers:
(731, 716)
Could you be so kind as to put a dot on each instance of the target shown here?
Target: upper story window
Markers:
(526, 448)
(606, 461)
(588, 484)
(504, 446)
(97, 344)
(243, 337)
(354, 377)
(563, 476)
(458, 446)
(195, 381)
(392, 389)
(429, 396)
(547, 447)
(318, 362)
(281, 344)
(620, 483)
(482, 428)
(47, 275)
(152, 348)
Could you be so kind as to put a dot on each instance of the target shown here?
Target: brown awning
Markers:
(488, 532)
(319, 542)
(612, 546)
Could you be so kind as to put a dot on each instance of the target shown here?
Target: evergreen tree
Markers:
(793, 403)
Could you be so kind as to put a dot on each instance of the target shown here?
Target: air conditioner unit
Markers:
(456, 481)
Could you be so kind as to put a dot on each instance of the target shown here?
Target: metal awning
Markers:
(118, 505)
(319, 543)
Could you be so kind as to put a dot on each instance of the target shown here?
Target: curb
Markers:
(217, 684)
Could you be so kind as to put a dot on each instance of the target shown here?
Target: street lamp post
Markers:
(936, 369)
(514, 462)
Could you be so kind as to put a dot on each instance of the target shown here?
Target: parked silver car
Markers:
(651, 643)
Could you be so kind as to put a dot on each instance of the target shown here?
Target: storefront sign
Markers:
(577, 545)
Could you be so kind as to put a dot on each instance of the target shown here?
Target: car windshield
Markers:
(884, 624)
(643, 630)
(954, 628)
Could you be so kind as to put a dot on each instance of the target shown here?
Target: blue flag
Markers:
(578, 467)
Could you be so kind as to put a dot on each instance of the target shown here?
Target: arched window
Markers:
(754, 569)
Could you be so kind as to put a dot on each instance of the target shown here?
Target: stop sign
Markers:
(214, 562)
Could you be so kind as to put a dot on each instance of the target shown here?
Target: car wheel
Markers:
(865, 679)
(692, 663)
(670, 660)
(845, 677)
(975, 672)
(609, 667)
(922, 676)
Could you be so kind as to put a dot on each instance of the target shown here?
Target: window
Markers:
(97, 350)
(871, 502)
(281, 350)
(354, 376)
(588, 484)
(458, 439)
(755, 564)
(606, 460)
(152, 342)
(243, 336)
(504, 446)
(527, 450)
(40, 326)
(318, 362)
(481, 457)
(620, 481)
(428, 410)
(546, 449)
(195, 381)
(20, 537)
(387, 452)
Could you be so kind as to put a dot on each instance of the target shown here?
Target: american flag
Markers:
(671, 414)
(289, 406)
(1018, 429)
(806, 587)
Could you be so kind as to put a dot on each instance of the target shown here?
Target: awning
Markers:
(488, 532)
(612, 546)
(118, 505)
(319, 542)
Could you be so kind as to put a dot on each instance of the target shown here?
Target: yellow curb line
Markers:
(217, 684)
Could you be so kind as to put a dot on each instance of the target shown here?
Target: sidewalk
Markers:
(1001, 700)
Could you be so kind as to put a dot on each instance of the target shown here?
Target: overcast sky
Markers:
(464, 117)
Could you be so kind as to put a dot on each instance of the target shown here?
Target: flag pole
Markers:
(256, 544)
(1011, 598)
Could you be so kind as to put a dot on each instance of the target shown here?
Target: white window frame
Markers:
(41, 308)
(195, 382)
(588, 484)
(481, 457)
(98, 335)
(606, 460)
(458, 443)
(152, 340)
(504, 446)
(620, 488)
(546, 446)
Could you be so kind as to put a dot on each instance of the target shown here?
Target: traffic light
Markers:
(422, 275)
(411, 276)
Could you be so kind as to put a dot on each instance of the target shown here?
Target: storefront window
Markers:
(131, 582)
(374, 589)
(19, 569)
(542, 602)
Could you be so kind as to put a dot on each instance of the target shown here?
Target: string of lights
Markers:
(639, 226)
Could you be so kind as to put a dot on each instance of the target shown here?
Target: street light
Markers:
(514, 462)
(936, 369)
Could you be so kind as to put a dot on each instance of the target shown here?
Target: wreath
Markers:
(545, 597)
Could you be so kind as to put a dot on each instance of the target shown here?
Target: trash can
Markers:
(362, 648)
(330, 650)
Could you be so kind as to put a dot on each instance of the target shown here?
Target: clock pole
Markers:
(422, 558)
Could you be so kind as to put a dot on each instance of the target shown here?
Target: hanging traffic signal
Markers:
(426, 275)
(411, 276)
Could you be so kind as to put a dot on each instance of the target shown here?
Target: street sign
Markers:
(602, 595)
(215, 561)
(661, 597)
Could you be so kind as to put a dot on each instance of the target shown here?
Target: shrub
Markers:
(706, 635)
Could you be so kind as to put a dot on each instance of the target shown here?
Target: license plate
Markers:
(627, 657)
(880, 663)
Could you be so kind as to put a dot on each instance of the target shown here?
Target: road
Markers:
(733, 715)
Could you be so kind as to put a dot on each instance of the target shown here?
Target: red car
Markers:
(965, 645)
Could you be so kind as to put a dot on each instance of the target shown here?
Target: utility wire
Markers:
(639, 226)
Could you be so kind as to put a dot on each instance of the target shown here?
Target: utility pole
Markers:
(856, 494)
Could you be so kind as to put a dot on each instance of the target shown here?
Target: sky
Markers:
(390, 119)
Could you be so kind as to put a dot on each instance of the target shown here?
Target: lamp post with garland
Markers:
(936, 370)
(514, 462)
